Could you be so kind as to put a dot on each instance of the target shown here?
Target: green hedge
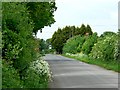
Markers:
(74, 45)
(89, 43)
(17, 31)
(80, 43)
(104, 49)
(19, 44)
(10, 77)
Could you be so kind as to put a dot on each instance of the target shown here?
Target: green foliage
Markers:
(89, 43)
(41, 14)
(48, 43)
(39, 80)
(48, 51)
(74, 45)
(83, 29)
(16, 38)
(104, 49)
(60, 37)
(45, 46)
(19, 23)
(42, 45)
(37, 75)
(118, 56)
(89, 30)
(117, 47)
(33, 80)
(10, 77)
(109, 33)
(58, 41)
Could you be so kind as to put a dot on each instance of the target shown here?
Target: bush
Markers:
(19, 45)
(33, 80)
(104, 49)
(17, 31)
(38, 73)
(74, 44)
(10, 77)
(117, 48)
(89, 43)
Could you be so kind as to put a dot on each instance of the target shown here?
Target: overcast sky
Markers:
(101, 15)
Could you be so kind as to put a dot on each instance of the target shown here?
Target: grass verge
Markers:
(112, 65)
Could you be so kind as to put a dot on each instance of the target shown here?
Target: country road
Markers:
(70, 73)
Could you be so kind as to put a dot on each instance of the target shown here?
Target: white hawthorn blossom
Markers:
(41, 67)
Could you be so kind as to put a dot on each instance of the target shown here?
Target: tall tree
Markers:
(89, 30)
(42, 44)
(60, 37)
(19, 21)
(57, 41)
(83, 29)
(42, 14)
(48, 43)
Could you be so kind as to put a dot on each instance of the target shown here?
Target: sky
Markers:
(101, 15)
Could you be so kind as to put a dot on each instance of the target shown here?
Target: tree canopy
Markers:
(20, 20)
(60, 37)
(42, 14)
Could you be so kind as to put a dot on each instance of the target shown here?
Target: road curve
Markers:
(70, 73)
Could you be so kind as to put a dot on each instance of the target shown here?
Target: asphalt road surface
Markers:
(70, 73)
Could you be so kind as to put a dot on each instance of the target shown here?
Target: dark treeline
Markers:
(60, 37)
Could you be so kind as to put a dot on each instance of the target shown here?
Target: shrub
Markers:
(41, 67)
(10, 77)
(17, 30)
(89, 43)
(74, 44)
(19, 45)
(117, 48)
(104, 49)
(38, 73)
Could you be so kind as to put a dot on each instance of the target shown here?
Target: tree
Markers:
(77, 31)
(107, 33)
(42, 45)
(58, 41)
(62, 35)
(48, 43)
(83, 29)
(16, 31)
(89, 30)
(74, 44)
(104, 49)
(19, 22)
(42, 14)
(89, 43)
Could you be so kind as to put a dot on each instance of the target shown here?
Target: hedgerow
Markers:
(20, 47)
(89, 43)
(104, 49)
(39, 73)
(74, 45)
